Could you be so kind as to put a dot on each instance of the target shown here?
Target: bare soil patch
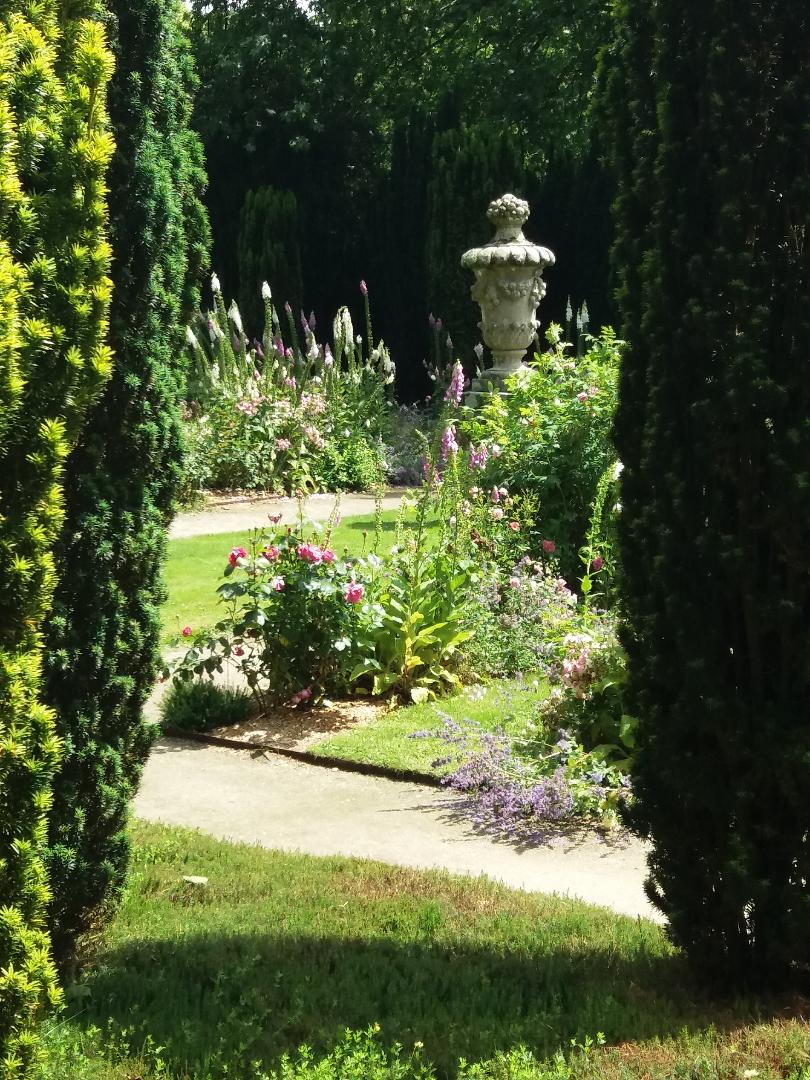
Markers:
(293, 727)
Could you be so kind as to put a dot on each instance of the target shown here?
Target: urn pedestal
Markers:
(508, 288)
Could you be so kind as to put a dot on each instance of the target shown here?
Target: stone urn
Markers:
(508, 288)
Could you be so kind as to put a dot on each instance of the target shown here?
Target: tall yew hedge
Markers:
(54, 298)
(121, 481)
(709, 105)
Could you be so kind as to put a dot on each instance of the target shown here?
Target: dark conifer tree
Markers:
(709, 105)
(121, 480)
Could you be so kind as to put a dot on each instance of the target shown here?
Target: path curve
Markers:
(250, 798)
(239, 515)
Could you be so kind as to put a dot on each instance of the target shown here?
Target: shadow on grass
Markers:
(234, 998)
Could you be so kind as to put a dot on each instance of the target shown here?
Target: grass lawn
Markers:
(387, 741)
(194, 570)
(198, 982)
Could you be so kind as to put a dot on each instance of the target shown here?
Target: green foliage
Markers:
(712, 429)
(268, 250)
(54, 296)
(470, 168)
(122, 480)
(203, 705)
(553, 434)
(415, 625)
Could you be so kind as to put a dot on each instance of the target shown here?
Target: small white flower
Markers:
(191, 339)
(234, 316)
(266, 293)
(215, 286)
(618, 468)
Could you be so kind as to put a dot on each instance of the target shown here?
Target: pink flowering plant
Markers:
(293, 621)
(290, 411)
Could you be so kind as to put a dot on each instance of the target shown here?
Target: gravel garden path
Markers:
(258, 799)
(235, 514)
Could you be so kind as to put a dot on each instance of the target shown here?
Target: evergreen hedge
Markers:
(122, 479)
(709, 107)
(54, 298)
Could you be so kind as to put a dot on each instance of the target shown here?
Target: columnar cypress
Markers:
(709, 104)
(470, 168)
(54, 298)
(269, 250)
(121, 481)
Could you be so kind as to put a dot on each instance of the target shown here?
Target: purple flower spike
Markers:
(455, 391)
(312, 321)
(364, 288)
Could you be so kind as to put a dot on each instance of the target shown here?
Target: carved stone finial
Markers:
(508, 286)
(508, 214)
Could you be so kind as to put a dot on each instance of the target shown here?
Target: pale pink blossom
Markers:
(496, 513)
(271, 553)
(278, 583)
(282, 444)
(514, 526)
(236, 554)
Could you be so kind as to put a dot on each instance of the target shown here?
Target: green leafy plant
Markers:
(553, 438)
(414, 626)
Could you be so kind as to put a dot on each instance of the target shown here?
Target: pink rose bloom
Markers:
(236, 554)
(275, 518)
(582, 397)
(327, 555)
(514, 583)
(597, 563)
(496, 513)
(310, 553)
(187, 631)
(302, 695)
(271, 553)
(353, 593)
(549, 547)
(238, 651)
(514, 526)
(278, 584)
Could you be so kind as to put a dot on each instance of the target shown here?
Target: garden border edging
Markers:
(306, 758)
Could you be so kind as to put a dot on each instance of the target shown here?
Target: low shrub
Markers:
(202, 705)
